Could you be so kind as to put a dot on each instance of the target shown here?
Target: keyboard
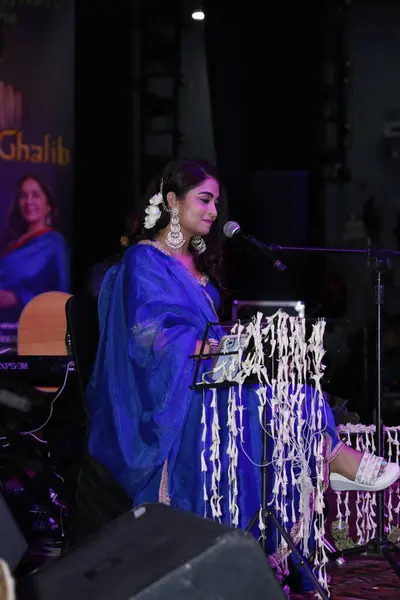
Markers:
(35, 370)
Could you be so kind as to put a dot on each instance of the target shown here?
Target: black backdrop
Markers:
(264, 67)
(104, 130)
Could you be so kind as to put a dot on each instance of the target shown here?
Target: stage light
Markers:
(198, 15)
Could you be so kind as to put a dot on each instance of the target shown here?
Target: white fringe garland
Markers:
(280, 339)
(215, 500)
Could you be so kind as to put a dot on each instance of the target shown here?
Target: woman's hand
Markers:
(7, 299)
(199, 344)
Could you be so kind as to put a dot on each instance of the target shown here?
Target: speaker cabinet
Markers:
(155, 552)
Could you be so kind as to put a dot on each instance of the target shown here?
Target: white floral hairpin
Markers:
(153, 213)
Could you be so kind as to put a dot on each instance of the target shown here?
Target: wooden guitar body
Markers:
(42, 327)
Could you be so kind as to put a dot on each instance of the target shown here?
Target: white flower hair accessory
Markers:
(153, 213)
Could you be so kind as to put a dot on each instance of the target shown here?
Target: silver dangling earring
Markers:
(175, 238)
(198, 244)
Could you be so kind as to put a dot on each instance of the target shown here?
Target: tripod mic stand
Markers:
(380, 261)
(380, 545)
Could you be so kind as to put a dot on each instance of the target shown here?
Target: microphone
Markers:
(232, 229)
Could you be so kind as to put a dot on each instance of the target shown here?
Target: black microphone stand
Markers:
(380, 261)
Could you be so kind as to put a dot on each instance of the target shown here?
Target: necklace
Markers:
(202, 280)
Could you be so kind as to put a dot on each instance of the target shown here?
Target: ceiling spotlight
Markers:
(198, 15)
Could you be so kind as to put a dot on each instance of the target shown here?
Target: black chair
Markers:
(83, 336)
(99, 499)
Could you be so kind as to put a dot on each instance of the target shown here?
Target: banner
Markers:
(36, 154)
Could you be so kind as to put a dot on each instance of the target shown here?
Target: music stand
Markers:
(267, 512)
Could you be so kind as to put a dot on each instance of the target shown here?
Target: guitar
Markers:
(42, 328)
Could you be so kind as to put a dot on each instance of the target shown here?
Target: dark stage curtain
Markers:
(264, 66)
(104, 131)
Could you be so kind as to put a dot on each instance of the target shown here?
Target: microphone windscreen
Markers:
(230, 228)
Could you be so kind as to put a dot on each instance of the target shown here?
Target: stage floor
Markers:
(361, 578)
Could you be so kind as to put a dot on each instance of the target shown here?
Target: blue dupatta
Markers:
(151, 314)
(40, 264)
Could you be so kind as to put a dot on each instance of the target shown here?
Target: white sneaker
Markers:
(7, 585)
(373, 475)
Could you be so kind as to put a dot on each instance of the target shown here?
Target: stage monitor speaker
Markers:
(13, 545)
(156, 552)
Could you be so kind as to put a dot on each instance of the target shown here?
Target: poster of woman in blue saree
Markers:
(34, 256)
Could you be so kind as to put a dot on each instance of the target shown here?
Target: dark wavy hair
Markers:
(180, 177)
(16, 225)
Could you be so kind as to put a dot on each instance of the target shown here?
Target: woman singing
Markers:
(154, 306)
